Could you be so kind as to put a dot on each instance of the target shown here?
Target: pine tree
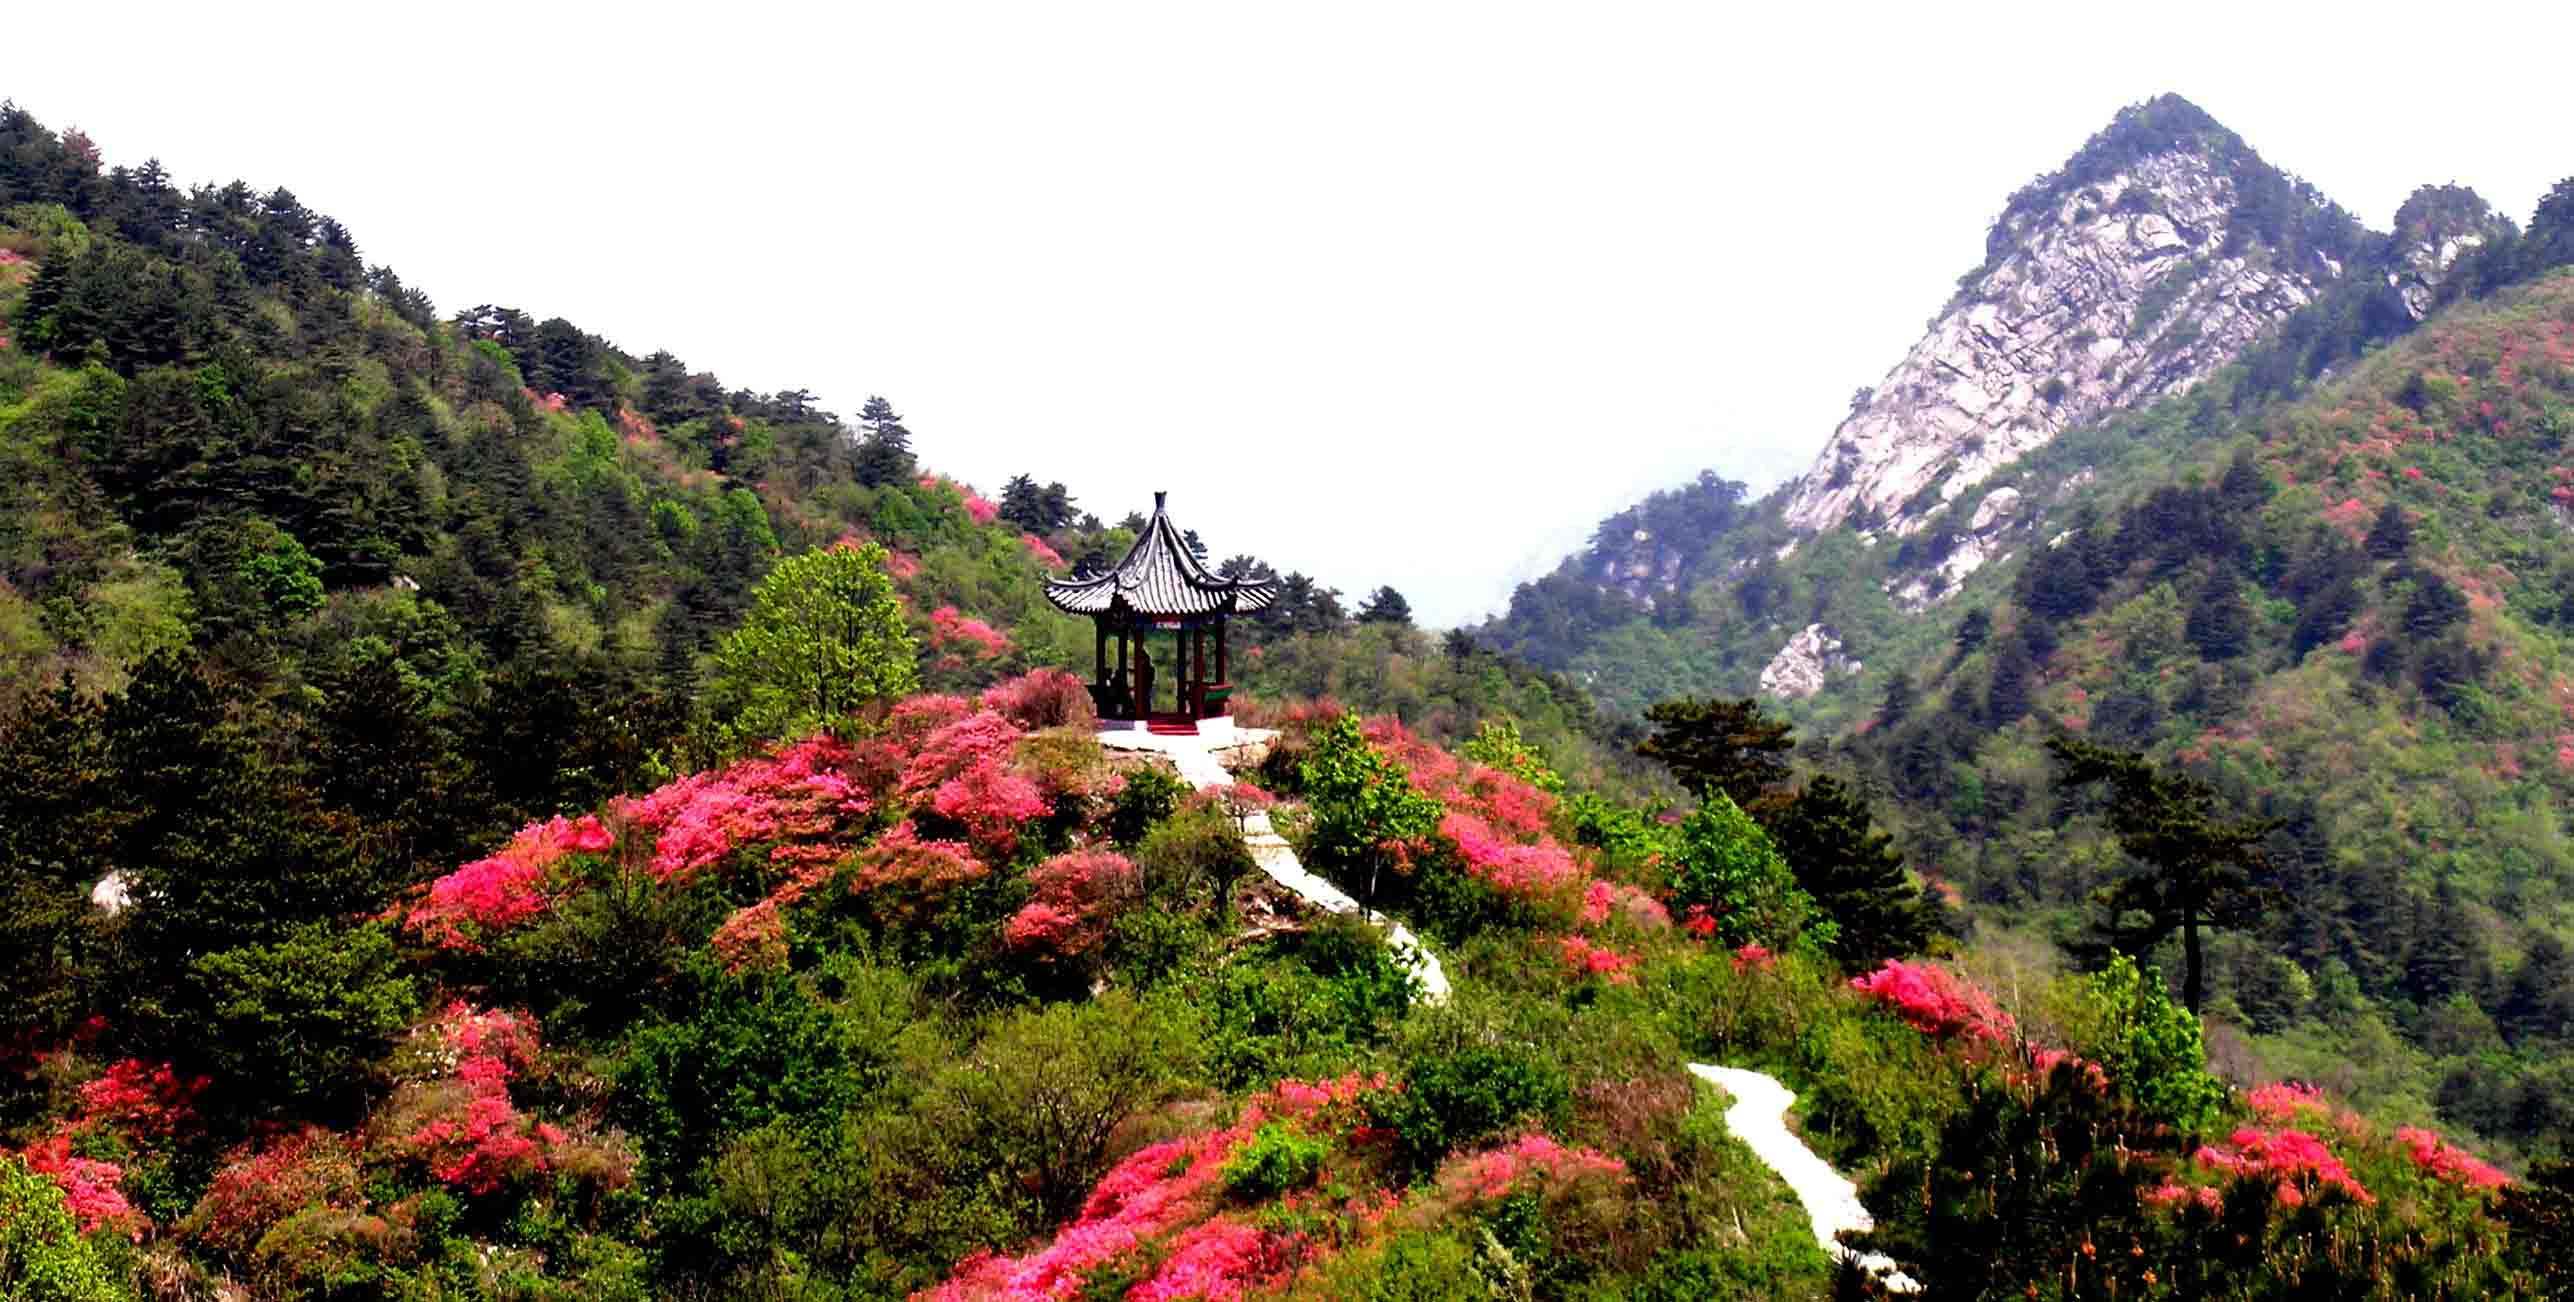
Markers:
(2200, 868)
(1853, 872)
(2006, 688)
(1385, 606)
(2391, 537)
(1196, 545)
(2220, 621)
(884, 446)
(1023, 504)
(1717, 746)
(1899, 699)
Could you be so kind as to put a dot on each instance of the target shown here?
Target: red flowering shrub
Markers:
(461, 1124)
(1150, 1193)
(901, 863)
(1042, 698)
(2444, 1161)
(1078, 896)
(754, 936)
(1482, 1177)
(949, 628)
(499, 892)
(1524, 871)
(1936, 1001)
(1754, 955)
(1588, 959)
(145, 1101)
(991, 802)
(2283, 1102)
(89, 1186)
(1046, 556)
(257, 1187)
(797, 794)
(2297, 1161)
(957, 745)
(1217, 1260)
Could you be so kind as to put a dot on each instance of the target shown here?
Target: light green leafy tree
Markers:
(824, 637)
(1724, 863)
(2149, 1045)
(1361, 799)
(43, 1257)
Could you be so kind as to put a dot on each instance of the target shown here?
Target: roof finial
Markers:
(1157, 500)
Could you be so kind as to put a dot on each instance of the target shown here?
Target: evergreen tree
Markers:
(2539, 1004)
(2220, 621)
(1385, 606)
(1023, 504)
(2199, 867)
(1718, 746)
(1973, 630)
(1897, 704)
(1056, 505)
(884, 446)
(1853, 872)
(2244, 487)
(2006, 687)
(2391, 536)
(1196, 545)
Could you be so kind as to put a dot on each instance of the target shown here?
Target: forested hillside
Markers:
(486, 814)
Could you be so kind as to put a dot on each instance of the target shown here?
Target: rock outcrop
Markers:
(1802, 666)
(2437, 225)
(2116, 292)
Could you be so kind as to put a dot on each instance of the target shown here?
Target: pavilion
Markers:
(1160, 585)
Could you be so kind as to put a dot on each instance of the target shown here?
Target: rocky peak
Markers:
(2154, 256)
(1808, 660)
(2437, 225)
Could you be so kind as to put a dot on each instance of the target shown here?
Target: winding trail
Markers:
(1758, 1115)
(1759, 1118)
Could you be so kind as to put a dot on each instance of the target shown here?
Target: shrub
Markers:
(1723, 862)
(301, 1018)
(1149, 796)
(1192, 859)
(2150, 1046)
(1362, 801)
(1463, 1098)
(43, 1257)
(1277, 1159)
(824, 636)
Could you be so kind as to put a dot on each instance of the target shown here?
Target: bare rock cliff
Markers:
(2114, 293)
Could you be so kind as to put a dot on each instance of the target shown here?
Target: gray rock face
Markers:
(2119, 295)
(1984, 541)
(2436, 226)
(1801, 667)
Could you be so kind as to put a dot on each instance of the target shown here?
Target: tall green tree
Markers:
(1385, 606)
(2200, 866)
(1853, 872)
(1717, 746)
(884, 446)
(824, 636)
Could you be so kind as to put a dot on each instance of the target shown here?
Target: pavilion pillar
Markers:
(1222, 674)
(1200, 634)
(1099, 652)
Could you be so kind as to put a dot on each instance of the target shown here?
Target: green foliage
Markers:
(1149, 796)
(1458, 1099)
(1360, 799)
(2150, 1047)
(303, 1017)
(824, 637)
(2540, 1214)
(43, 1257)
(1723, 862)
(1852, 873)
(1277, 1159)
(1499, 745)
(1714, 747)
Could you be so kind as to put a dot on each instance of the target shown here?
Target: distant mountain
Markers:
(2194, 465)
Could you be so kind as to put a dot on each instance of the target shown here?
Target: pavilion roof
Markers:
(1159, 576)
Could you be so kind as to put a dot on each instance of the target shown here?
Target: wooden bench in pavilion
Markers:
(1160, 586)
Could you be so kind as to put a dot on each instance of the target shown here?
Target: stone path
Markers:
(1199, 768)
(1759, 1113)
(1759, 1118)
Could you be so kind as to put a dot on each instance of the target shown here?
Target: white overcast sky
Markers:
(1408, 294)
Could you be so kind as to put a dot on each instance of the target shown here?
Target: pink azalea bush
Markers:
(949, 628)
(2442, 1160)
(89, 1185)
(499, 892)
(797, 794)
(1045, 555)
(460, 1122)
(1078, 896)
(1594, 960)
(1497, 1173)
(262, 1183)
(1936, 1001)
(2299, 1162)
